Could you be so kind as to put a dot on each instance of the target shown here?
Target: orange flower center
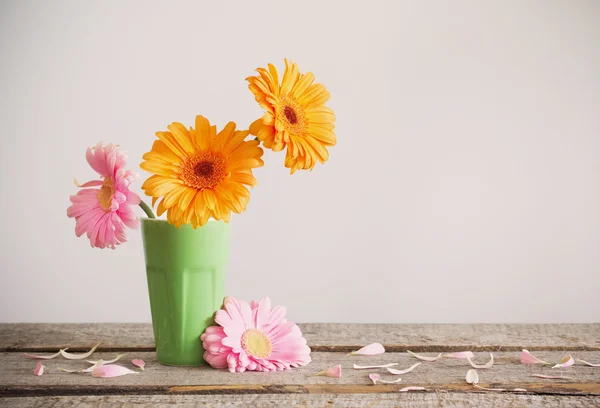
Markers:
(292, 115)
(256, 343)
(203, 170)
(106, 194)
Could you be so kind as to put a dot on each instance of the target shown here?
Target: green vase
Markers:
(185, 268)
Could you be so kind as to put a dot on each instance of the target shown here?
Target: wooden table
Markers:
(162, 386)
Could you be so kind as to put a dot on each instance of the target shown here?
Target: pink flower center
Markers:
(256, 343)
(106, 193)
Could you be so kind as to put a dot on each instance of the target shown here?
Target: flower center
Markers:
(106, 194)
(290, 115)
(256, 343)
(203, 170)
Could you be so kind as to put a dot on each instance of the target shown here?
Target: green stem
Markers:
(147, 209)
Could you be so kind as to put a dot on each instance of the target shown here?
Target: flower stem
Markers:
(147, 209)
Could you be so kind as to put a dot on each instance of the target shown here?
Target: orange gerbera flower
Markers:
(296, 116)
(199, 173)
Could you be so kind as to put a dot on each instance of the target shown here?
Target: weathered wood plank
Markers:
(324, 336)
(409, 400)
(16, 376)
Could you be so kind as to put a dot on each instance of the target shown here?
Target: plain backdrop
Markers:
(465, 185)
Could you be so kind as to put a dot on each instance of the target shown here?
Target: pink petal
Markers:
(400, 372)
(70, 356)
(138, 363)
(486, 365)
(405, 389)
(117, 358)
(335, 372)
(111, 370)
(528, 358)
(359, 367)
(553, 377)
(488, 389)
(370, 350)
(374, 377)
(92, 183)
(39, 369)
(462, 354)
(566, 361)
(588, 363)
(390, 382)
(472, 377)
(424, 358)
(96, 364)
(50, 357)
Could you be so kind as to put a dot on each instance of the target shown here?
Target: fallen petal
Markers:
(138, 363)
(400, 372)
(472, 377)
(424, 358)
(359, 367)
(488, 389)
(71, 356)
(335, 372)
(117, 358)
(390, 382)
(461, 354)
(528, 358)
(553, 377)
(588, 363)
(84, 370)
(374, 377)
(111, 370)
(39, 369)
(520, 390)
(370, 350)
(486, 365)
(566, 361)
(50, 357)
(405, 389)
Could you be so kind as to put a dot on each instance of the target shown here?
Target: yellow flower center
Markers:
(203, 170)
(256, 343)
(106, 193)
(292, 115)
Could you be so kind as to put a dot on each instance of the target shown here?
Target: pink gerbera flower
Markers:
(254, 337)
(104, 212)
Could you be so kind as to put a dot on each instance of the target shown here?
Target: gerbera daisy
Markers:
(104, 212)
(296, 117)
(199, 173)
(254, 337)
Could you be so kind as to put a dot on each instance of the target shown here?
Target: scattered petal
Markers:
(553, 377)
(488, 389)
(486, 365)
(117, 358)
(71, 356)
(39, 369)
(461, 354)
(405, 389)
(472, 377)
(97, 364)
(374, 377)
(335, 372)
(528, 358)
(400, 372)
(50, 357)
(390, 382)
(520, 390)
(111, 370)
(370, 350)
(359, 367)
(588, 363)
(138, 363)
(566, 361)
(424, 358)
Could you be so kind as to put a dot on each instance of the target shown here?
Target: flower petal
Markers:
(359, 367)
(117, 358)
(588, 363)
(486, 365)
(70, 356)
(400, 372)
(566, 361)
(405, 389)
(553, 377)
(520, 390)
(424, 358)
(461, 354)
(138, 363)
(111, 370)
(374, 377)
(390, 382)
(96, 364)
(472, 377)
(370, 350)
(39, 369)
(335, 372)
(528, 358)
(50, 357)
